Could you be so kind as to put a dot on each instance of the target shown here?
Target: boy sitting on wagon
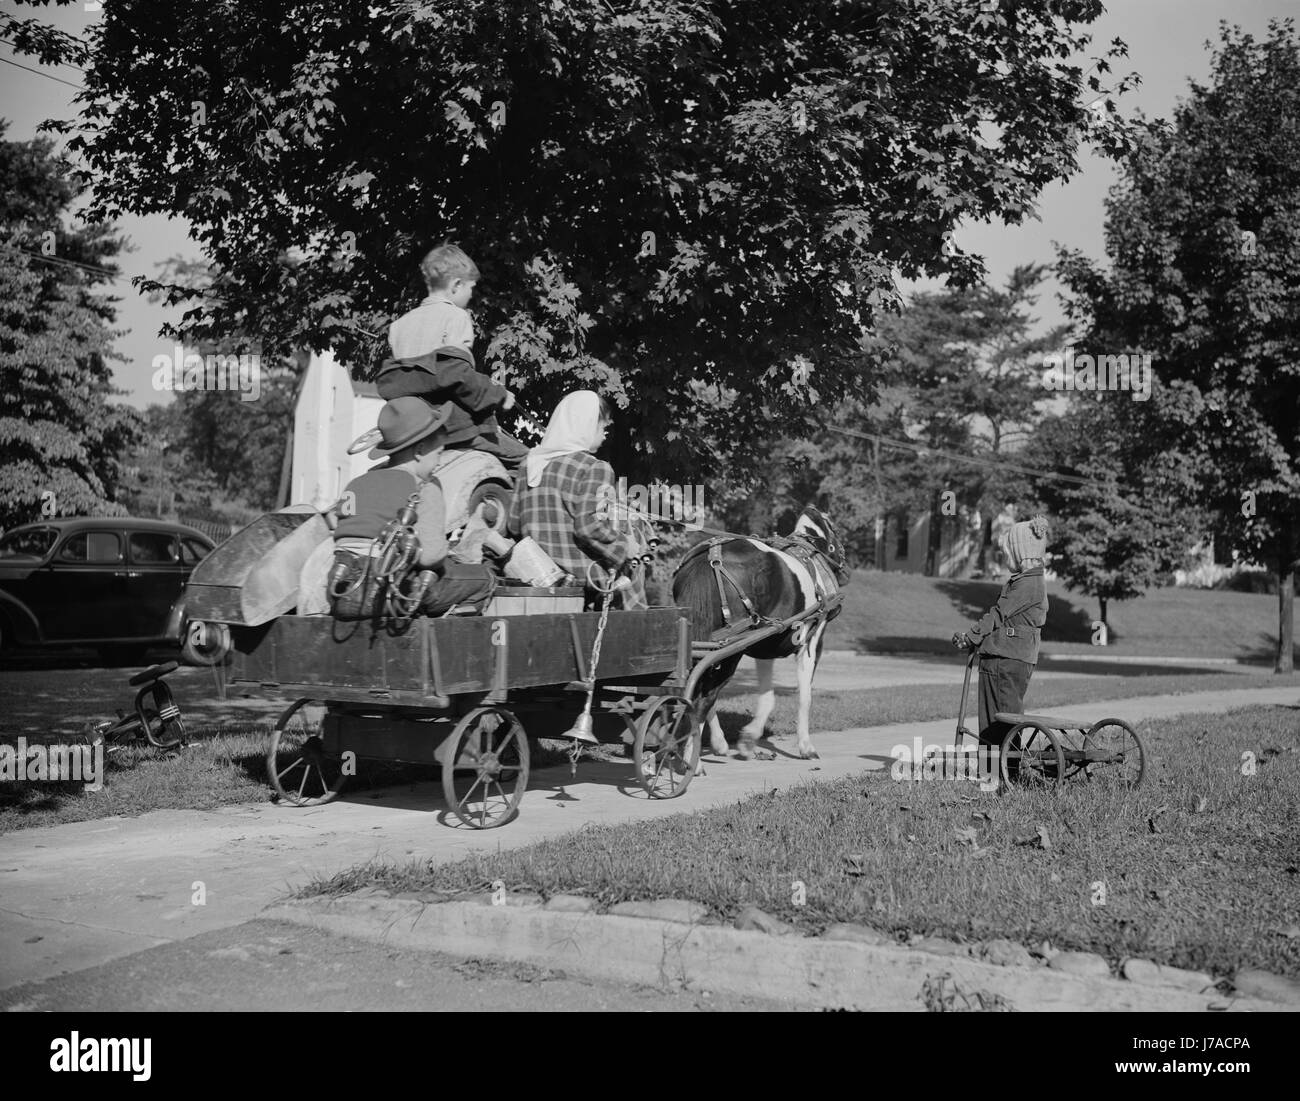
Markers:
(431, 357)
(413, 434)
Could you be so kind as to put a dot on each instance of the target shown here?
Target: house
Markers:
(903, 538)
(332, 409)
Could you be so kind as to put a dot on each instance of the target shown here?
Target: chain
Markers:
(575, 750)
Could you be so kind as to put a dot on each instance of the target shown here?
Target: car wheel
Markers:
(205, 643)
(494, 500)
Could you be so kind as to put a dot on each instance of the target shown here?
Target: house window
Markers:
(900, 548)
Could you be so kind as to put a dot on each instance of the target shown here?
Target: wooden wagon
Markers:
(468, 692)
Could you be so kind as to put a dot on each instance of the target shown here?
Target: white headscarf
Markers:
(574, 426)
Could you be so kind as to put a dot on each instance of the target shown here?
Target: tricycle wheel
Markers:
(299, 768)
(666, 749)
(485, 768)
(1031, 755)
(1114, 754)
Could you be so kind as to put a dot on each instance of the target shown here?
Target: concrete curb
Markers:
(811, 972)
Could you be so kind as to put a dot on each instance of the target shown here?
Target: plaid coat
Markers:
(568, 513)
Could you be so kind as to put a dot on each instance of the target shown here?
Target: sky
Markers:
(1167, 46)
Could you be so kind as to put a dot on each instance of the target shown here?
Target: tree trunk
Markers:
(1101, 603)
(986, 544)
(1285, 618)
(935, 534)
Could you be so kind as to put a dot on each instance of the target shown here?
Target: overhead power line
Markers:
(924, 449)
(66, 263)
(38, 72)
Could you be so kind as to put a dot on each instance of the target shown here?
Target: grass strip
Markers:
(1196, 869)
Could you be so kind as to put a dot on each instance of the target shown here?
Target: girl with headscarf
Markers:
(1008, 635)
(564, 503)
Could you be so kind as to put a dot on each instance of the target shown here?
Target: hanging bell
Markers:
(581, 729)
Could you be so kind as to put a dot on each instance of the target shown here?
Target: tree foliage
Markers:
(60, 432)
(1203, 238)
(696, 206)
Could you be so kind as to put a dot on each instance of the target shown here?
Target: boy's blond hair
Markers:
(445, 263)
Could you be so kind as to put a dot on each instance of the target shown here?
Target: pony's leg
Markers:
(807, 658)
(717, 740)
(753, 730)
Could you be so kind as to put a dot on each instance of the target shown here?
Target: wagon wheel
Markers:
(298, 765)
(1031, 755)
(666, 750)
(486, 768)
(1114, 754)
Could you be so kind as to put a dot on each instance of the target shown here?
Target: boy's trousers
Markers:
(1003, 682)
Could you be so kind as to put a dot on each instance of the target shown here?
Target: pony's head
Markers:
(816, 528)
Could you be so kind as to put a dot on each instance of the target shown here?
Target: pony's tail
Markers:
(695, 591)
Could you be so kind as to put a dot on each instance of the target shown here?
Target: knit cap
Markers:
(1027, 539)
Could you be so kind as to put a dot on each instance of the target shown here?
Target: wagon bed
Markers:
(434, 660)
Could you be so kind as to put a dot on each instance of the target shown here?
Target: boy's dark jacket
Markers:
(1013, 626)
(438, 377)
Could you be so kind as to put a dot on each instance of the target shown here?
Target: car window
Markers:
(35, 542)
(153, 548)
(92, 546)
(193, 552)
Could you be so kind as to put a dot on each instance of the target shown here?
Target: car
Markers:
(116, 583)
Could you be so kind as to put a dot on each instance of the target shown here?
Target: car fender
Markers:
(175, 629)
(25, 626)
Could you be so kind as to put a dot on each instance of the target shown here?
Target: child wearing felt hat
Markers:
(1008, 635)
(412, 436)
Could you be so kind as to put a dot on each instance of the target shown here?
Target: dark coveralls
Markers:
(439, 377)
(378, 496)
(1007, 638)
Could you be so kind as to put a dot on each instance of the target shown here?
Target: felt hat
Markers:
(404, 421)
(1027, 539)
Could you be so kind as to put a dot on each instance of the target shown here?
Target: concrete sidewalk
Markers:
(82, 894)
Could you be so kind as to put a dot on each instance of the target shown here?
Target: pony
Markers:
(729, 584)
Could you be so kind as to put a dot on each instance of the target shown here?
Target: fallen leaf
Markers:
(1291, 932)
(1055, 878)
(967, 836)
(977, 815)
(1201, 804)
(854, 862)
(911, 837)
(903, 806)
(1042, 836)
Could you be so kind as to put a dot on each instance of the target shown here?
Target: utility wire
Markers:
(919, 448)
(48, 76)
(67, 263)
(65, 64)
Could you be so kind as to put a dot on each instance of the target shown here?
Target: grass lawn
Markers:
(226, 765)
(903, 612)
(1197, 869)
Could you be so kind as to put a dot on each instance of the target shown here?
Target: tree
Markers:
(1116, 529)
(958, 373)
(61, 436)
(1203, 235)
(695, 206)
